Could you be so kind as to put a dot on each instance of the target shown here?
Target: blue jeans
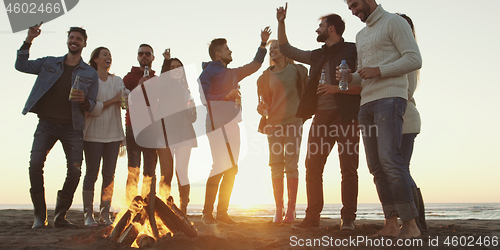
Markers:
(381, 123)
(46, 135)
(94, 151)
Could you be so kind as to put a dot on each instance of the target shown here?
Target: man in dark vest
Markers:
(335, 117)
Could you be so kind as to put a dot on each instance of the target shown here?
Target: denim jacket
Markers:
(49, 69)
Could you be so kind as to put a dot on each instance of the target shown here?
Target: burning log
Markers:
(131, 224)
(145, 241)
(136, 206)
(174, 219)
(130, 234)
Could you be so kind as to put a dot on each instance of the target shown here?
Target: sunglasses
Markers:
(144, 53)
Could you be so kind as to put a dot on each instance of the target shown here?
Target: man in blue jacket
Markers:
(223, 100)
(60, 118)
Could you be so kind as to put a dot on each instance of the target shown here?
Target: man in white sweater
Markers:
(387, 52)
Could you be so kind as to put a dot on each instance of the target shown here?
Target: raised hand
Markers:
(281, 13)
(33, 32)
(264, 34)
(166, 54)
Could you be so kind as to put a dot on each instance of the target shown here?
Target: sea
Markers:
(433, 211)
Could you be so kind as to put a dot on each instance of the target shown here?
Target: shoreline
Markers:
(251, 233)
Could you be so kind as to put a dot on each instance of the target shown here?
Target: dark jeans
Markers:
(46, 135)
(134, 155)
(407, 142)
(166, 165)
(382, 124)
(326, 129)
(94, 151)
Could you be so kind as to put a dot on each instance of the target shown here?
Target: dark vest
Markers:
(347, 105)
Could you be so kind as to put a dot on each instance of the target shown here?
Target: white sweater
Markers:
(105, 125)
(388, 43)
(412, 121)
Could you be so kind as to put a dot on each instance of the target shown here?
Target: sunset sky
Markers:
(456, 155)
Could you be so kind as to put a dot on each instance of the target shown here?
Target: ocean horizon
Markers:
(433, 211)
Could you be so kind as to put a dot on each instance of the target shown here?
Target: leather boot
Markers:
(105, 206)
(132, 182)
(62, 207)
(88, 208)
(184, 197)
(421, 210)
(292, 185)
(278, 199)
(40, 210)
(211, 190)
(415, 200)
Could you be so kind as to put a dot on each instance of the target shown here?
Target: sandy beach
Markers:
(251, 233)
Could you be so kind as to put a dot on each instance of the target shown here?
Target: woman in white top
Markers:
(102, 137)
(411, 128)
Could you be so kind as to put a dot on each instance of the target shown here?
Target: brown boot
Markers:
(184, 197)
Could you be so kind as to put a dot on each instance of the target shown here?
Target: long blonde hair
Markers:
(271, 62)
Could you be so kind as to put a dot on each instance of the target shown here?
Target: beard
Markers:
(322, 37)
(365, 11)
(145, 63)
(74, 52)
(227, 60)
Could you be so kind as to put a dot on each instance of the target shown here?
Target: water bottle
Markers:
(265, 113)
(146, 71)
(74, 87)
(344, 76)
(124, 98)
(322, 79)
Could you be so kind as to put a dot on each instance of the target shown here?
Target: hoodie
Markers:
(217, 81)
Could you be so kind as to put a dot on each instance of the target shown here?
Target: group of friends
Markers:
(384, 62)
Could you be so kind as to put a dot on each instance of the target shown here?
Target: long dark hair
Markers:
(410, 22)
(95, 54)
(166, 67)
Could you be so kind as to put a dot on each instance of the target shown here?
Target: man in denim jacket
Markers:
(60, 118)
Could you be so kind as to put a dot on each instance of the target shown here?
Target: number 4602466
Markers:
(33, 8)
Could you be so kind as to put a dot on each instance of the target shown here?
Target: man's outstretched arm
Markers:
(257, 61)
(285, 47)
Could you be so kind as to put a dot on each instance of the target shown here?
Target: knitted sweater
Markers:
(282, 91)
(412, 122)
(388, 43)
(105, 125)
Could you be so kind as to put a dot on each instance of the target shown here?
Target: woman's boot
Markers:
(421, 210)
(88, 208)
(184, 197)
(292, 186)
